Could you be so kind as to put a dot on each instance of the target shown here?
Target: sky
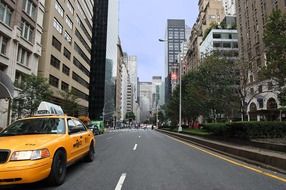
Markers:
(142, 23)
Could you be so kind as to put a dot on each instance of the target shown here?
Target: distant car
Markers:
(94, 129)
(41, 147)
(100, 126)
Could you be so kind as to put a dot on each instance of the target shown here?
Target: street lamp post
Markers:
(180, 93)
(157, 116)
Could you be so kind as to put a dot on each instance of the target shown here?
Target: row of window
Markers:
(225, 44)
(60, 9)
(54, 81)
(225, 36)
(69, 22)
(81, 39)
(80, 80)
(56, 63)
(81, 53)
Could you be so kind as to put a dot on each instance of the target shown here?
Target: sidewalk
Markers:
(266, 158)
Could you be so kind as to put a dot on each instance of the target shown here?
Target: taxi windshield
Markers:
(35, 126)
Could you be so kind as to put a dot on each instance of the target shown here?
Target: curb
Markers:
(270, 161)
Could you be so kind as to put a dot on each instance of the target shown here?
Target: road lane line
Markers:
(120, 181)
(231, 161)
(135, 146)
(139, 137)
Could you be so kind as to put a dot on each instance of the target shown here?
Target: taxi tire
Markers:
(58, 169)
(90, 155)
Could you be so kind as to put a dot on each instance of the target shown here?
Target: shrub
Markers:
(258, 129)
(217, 129)
(248, 130)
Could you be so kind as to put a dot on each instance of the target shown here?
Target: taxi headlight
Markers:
(30, 155)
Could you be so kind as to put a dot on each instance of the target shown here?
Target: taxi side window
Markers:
(79, 125)
(72, 127)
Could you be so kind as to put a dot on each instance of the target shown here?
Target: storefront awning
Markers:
(6, 86)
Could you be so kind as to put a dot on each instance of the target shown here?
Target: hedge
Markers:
(248, 130)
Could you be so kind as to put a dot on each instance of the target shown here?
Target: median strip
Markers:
(120, 182)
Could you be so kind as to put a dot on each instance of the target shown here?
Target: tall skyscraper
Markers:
(21, 28)
(175, 35)
(104, 60)
(98, 59)
(66, 51)
(145, 100)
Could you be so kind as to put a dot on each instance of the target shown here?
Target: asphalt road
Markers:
(147, 160)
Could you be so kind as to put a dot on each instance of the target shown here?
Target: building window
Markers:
(70, 7)
(56, 43)
(226, 44)
(216, 36)
(58, 26)
(54, 81)
(69, 22)
(235, 45)
(66, 70)
(30, 8)
(59, 9)
(80, 80)
(23, 56)
(80, 94)
(27, 31)
(81, 39)
(67, 53)
(5, 13)
(260, 88)
(67, 37)
(55, 62)
(270, 86)
(64, 86)
(217, 44)
(80, 66)
(83, 28)
(3, 44)
(81, 53)
(251, 91)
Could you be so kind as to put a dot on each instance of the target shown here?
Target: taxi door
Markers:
(75, 142)
(85, 136)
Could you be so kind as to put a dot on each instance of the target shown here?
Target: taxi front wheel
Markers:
(58, 170)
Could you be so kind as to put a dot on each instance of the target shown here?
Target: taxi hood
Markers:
(28, 142)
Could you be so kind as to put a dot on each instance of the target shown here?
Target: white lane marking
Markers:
(135, 146)
(120, 182)
(139, 137)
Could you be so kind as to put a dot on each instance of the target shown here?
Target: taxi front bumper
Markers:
(18, 172)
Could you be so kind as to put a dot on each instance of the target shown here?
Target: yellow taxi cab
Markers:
(41, 147)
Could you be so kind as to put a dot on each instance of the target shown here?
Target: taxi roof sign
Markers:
(47, 108)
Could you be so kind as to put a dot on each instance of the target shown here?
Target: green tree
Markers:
(210, 91)
(34, 90)
(130, 116)
(275, 46)
(70, 103)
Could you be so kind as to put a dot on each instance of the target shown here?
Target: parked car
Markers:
(94, 129)
(41, 147)
(100, 126)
